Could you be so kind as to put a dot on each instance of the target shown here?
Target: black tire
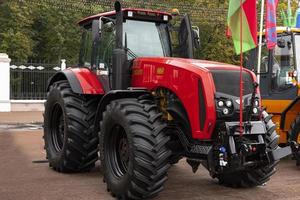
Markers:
(294, 136)
(141, 171)
(255, 177)
(71, 143)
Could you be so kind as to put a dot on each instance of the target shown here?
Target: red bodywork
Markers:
(88, 81)
(178, 75)
(181, 77)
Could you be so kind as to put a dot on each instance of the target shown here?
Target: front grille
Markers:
(228, 82)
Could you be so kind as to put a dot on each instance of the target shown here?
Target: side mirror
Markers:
(196, 36)
(103, 20)
(281, 43)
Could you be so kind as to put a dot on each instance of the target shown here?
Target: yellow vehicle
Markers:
(279, 80)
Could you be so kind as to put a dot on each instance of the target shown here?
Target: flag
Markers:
(298, 17)
(271, 34)
(249, 24)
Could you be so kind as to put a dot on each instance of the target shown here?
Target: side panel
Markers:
(275, 106)
(82, 80)
(184, 82)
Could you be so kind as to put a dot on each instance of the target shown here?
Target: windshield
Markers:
(147, 39)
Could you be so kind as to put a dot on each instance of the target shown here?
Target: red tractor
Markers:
(144, 109)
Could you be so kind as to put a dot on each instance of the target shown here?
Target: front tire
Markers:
(258, 176)
(133, 149)
(294, 134)
(70, 141)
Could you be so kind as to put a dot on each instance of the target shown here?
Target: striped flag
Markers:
(249, 24)
(271, 34)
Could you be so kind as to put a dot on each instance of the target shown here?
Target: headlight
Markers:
(220, 103)
(255, 110)
(256, 103)
(228, 103)
(225, 111)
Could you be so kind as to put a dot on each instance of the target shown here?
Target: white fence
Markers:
(23, 86)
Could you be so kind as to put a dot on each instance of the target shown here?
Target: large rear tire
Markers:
(294, 134)
(71, 143)
(259, 176)
(133, 149)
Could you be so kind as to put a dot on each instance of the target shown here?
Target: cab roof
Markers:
(146, 12)
(283, 29)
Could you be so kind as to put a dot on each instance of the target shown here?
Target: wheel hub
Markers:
(123, 150)
(118, 151)
(57, 128)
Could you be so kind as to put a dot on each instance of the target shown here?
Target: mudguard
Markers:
(294, 108)
(82, 81)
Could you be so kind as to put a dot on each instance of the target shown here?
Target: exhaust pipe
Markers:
(120, 66)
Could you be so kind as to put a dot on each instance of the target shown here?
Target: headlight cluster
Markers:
(225, 105)
(255, 109)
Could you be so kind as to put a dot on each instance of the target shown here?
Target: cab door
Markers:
(184, 39)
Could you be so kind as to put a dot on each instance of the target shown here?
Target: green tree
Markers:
(15, 35)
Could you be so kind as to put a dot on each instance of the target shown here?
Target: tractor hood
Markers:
(226, 77)
(195, 82)
(192, 64)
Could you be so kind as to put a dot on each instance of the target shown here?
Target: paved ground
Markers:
(20, 117)
(22, 179)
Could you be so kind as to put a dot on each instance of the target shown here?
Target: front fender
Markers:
(81, 80)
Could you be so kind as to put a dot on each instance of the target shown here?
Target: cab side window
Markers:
(85, 56)
(106, 45)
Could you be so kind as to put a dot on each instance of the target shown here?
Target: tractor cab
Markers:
(279, 67)
(139, 33)
(279, 83)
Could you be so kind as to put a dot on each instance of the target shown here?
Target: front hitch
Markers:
(258, 129)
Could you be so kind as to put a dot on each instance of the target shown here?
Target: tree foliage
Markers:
(48, 30)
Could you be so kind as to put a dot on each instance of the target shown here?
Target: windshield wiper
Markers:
(129, 51)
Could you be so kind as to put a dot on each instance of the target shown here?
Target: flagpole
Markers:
(289, 14)
(260, 39)
(241, 68)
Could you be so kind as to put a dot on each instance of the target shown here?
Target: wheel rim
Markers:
(118, 151)
(57, 128)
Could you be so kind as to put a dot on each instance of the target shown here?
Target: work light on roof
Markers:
(166, 17)
(130, 14)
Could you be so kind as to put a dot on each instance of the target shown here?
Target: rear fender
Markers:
(82, 81)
